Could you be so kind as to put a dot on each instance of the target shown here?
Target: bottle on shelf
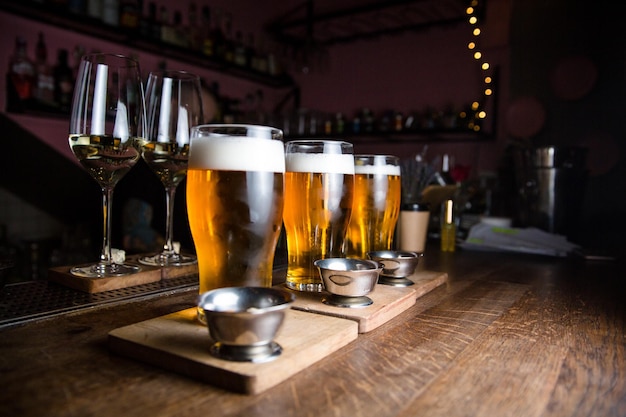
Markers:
(44, 91)
(209, 46)
(21, 71)
(130, 12)
(164, 24)
(240, 57)
(94, 9)
(226, 47)
(193, 30)
(178, 34)
(63, 81)
(111, 12)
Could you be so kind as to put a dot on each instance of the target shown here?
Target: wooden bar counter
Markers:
(507, 335)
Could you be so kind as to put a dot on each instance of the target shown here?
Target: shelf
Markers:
(86, 25)
(303, 25)
(407, 137)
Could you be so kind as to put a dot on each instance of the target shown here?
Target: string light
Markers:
(479, 113)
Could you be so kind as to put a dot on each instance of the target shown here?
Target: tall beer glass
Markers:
(235, 182)
(376, 205)
(319, 182)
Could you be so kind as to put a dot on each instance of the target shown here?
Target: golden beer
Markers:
(235, 205)
(318, 204)
(376, 205)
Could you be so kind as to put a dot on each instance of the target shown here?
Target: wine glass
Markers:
(174, 105)
(107, 117)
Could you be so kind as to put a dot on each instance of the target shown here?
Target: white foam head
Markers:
(237, 153)
(333, 163)
(386, 169)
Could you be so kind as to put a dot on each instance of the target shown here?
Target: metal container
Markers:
(243, 321)
(559, 179)
(348, 280)
(397, 266)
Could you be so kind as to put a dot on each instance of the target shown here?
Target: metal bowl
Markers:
(243, 321)
(397, 266)
(348, 280)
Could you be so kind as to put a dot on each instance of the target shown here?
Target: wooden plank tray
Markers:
(178, 342)
(148, 274)
(389, 301)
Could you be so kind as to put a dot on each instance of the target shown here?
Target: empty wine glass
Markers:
(174, 105)
(107, 117)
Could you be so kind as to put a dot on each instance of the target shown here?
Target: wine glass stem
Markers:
(107, 200)
(170, 193)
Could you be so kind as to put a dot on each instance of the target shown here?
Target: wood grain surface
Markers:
(178, 342)
(388, 301)
(506, 335)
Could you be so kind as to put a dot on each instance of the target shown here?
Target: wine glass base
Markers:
(102, 271)
(168, 259)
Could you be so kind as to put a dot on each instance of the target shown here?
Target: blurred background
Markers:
(481, 85)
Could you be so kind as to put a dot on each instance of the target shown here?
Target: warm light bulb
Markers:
(482, 115)
(487, 80)
(488, 92)
(485, 66)
(477, 55)
(476, 32)
(475, 105)
(469, 10)
(473, 20)
(476, 128)
(471, 45)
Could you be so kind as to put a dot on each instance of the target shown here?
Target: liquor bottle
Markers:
(165, 26)
(111, 12)
(193, 30)
(178, 35)
(94, 9)
(146, 21)
(448, 227)
(240, 57)
(261, 60)
(129, 10)
(45, 81)
(63, 81)
(227, 47)
(208, 35)
(22, 71)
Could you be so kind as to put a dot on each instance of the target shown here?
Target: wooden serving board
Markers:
(148, 274)
(178, 342)
(62, 275)
(389, 301)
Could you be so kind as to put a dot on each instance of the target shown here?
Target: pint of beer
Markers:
(376, 204)
(235, 184)
(319, 181)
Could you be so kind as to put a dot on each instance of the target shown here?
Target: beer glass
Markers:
(235, 181)
(376, 205)
(319, 182)
(107, 120)
(174, 104)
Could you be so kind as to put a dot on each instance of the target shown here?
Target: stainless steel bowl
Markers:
(243, 321)
(397, 266)
(348, 280)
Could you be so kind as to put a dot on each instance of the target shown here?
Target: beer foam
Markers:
(386, 169)
(232, 153)
(332, 163)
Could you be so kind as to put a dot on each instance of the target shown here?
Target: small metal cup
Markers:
(348, 281)
(243, 321)
(397, 266)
